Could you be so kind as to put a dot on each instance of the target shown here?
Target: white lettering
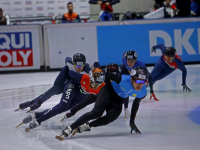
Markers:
(15, 62)
(9, 59)
(179, 41)
(5, 45)
(27, 40)
(25, 56)
(21, 40)
(153, 35)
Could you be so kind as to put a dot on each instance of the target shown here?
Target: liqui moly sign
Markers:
(16, 49)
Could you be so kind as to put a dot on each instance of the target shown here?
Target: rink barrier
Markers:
(21, 47)
(102, 41)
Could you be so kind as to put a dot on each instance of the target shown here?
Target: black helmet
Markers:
(79, 59)
(131, 55)
(170, 52)
(112, 68)
(140, 72)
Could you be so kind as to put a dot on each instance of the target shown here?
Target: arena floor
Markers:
(173, 123)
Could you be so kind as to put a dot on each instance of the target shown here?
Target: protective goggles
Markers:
(140, 81)
(98, 74)
(169, 58)
(78, 64)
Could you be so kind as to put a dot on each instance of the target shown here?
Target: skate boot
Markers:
(67, 131)
(84, 127)
(67, 115)
(127, 113)
(32, 125)
(27, 119)
(25, 105)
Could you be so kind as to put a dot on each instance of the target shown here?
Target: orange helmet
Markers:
(97, 76)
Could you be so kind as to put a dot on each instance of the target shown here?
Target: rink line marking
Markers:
(168, 108)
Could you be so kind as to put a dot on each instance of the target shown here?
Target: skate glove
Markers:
(134, 127)
(185, 88)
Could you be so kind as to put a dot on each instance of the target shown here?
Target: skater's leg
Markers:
(89, 100)
(112, 114)
(60, 81)
(160, 64)
(64, 105)
(126, 102)
(57, 88)
(163, 73)
(97, 111)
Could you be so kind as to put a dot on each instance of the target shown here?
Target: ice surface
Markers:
(173, 123)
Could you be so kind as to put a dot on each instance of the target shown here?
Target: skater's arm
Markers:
(159, 46)
(113, 77)
(114, 2)
(135, 107)
(124, 70)
(96, 65)
(75, 75)
(181, 66)
(68, 60)
(93, 1)
(86, 69)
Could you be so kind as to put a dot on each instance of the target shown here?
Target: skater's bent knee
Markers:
(96, 113)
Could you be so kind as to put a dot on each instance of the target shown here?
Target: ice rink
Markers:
(173, 123)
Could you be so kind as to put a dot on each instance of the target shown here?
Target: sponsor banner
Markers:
(53, 8)
(114, 40)
(18, 50)
(68, 42)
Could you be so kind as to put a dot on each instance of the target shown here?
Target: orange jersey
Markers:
(71, 17)
(85, 85)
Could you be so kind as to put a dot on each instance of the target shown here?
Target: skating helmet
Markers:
(114, 68)
(79, 59)
(140, 72)
(170, 52)
(131, 55)
(97, 76)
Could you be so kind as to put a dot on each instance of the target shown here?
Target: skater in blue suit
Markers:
(111, 98)
(78, 64)
(168, 62)
(130, 62)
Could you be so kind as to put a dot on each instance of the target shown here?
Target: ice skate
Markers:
(65, 133)
(28, 119)
(127, 113)
(84, 127)
(67, 115)
(32, 125)
(24, 105)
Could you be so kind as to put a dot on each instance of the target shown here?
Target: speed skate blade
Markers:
(125, 116)
(62, 120)
(17, 109)
(19, 125)
(74, 132)
(27, 129)
(59, 138)
(28, 111)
